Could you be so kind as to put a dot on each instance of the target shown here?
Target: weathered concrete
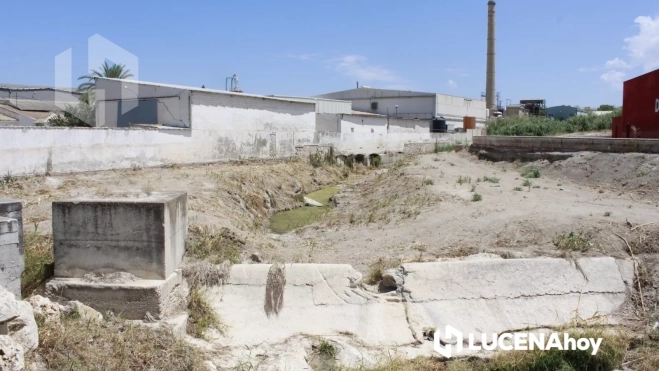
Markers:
(562, 144)
(141, 234)
(130, 299)
(12, 263)
(497, 295)
(13, 209)
(318, 300)
(475, 295)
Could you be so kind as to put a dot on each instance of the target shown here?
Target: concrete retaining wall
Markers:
(561, 144)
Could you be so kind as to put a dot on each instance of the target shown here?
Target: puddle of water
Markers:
(286, 221)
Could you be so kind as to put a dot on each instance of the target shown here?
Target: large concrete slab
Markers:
(12, 263)
(474, 295)
(318, 300)
(497, 295)
(142, 234)
(126, 297)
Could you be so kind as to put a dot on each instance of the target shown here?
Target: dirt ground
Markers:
(416, 210)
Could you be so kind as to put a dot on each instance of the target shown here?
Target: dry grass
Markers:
(113, 345)
(384, 198)
(38, 253)
(609, 357)
(377, 268)
(202, 315)
(274, 289)
(202, 273)
(216, 247)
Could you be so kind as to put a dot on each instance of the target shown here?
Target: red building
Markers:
(640, 108)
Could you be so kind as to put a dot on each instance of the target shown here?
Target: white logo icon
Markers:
(513, 341)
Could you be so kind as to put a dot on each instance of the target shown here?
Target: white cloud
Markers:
(357, 66)
(302, 57)
(616, 63)
(643, 48)
(457, 72)
(642, 51)
(452, 84)
(613, 78)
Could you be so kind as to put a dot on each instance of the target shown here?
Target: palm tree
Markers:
(114, 71)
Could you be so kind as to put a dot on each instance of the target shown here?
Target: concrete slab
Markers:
(138, 233)
(473, 295)
(493, 296)
(13, 209)
(130, 299)
(318, 300)
(12, 262)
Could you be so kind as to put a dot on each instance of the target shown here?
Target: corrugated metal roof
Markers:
(203, 90)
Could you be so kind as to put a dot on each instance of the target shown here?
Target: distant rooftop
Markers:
(4, 86)
(206, 90)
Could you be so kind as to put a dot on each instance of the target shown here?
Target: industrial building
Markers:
(564, 112)
(412, 105)
(640, 108)
(25, 105)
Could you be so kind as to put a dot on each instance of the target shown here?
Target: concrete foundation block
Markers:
(138, 233)
(13, 209)
(12, 263)
(130, 299)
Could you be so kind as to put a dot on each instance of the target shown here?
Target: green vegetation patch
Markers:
(286, 221)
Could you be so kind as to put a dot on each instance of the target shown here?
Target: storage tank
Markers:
(469, 122)
(438, 125)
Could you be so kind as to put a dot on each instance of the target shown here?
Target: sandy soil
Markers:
(522, 222)
(416, 211)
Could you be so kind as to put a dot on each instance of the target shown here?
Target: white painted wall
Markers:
(223, 127)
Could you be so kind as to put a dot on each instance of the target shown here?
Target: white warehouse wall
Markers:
(244, 126)
(223, 127)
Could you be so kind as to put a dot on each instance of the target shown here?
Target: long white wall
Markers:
(223, 128)
(365, 134)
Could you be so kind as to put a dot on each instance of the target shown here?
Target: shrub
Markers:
(541, 126)
(532, 172)
(81, 115)
(492, 179)
(427, 181)
(464, 179)
(476, 197)
(572, 241)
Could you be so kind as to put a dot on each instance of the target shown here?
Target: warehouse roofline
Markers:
(205, 90)
(390, 93)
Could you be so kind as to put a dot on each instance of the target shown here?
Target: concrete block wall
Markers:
(561, 144)
(11, 258)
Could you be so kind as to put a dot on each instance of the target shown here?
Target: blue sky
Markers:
(568, 52)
